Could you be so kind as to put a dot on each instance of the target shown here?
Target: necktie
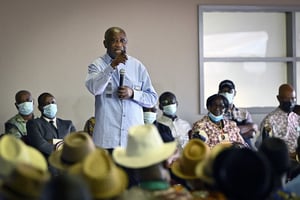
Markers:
(52, 124)
(56, 131)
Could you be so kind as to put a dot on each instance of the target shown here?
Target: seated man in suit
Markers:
(44, 132)
(16, 125)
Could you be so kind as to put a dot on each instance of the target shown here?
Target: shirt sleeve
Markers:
(99, 74)
(144, 94)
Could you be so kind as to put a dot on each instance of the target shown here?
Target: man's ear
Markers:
(17, 106)
(40, 108)
(105, 43)
(278, 98)
(234, 93)
(160, 106)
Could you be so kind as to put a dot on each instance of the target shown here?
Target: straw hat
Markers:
(14, 150)
(145, 148)
(203, 169)
(24, 183)
(194, 152)
(103, 177)
(76, 147)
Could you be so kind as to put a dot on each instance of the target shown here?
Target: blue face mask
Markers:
(170, 109)
(50, 110)
(229, 96)
(149, 117)
(25, 108)
(215, 118)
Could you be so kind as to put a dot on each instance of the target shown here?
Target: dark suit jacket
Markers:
(40, 133)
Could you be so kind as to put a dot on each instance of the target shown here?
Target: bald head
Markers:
(285, 90)
(111, 31)
(286, 97)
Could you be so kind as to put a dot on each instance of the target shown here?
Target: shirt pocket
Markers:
(138, 86)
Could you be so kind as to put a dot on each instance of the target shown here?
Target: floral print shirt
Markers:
(283, 125)
(214, 134)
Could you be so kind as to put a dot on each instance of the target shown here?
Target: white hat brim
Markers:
(157, 155)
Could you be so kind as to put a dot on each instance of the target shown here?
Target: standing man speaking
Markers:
(119, 97)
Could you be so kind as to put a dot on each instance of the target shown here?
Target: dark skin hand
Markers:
(124, 92)
(121, 57)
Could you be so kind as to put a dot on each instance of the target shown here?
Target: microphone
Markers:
(122, 75)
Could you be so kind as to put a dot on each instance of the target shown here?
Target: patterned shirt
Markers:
(239, 115)
(89, 126)
(16, 126)
(215, 134)
(283, 125)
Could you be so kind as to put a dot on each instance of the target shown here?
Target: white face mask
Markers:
(229, 96)
(50, 110)
(149, 117)
(25, 108)
(170, 109)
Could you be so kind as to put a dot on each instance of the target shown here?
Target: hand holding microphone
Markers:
(122, 75)
(124, 92)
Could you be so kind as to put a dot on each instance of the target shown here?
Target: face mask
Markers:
(229, 96)
(215, 118)
(170, 109)
(287, 106)
(25, 108)
(50, 110)
(149, 117)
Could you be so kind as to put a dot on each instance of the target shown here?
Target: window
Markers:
(258, 48)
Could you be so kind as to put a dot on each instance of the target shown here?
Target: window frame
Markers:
(291, 58)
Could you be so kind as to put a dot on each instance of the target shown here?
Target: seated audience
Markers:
(242, 174)
(241, 116)
(65, 187)
(89, 126)
(103, 178)
(204, 187)
(150, 114)
(194, 153)
(17, 125)
(293, 184)
(14, 151)
(44, 132)
(213, 128)
(276, 152)
(172, 128)
(169, 125)
(146, 153)
(25, 182)
(75, 148)
(282, 122)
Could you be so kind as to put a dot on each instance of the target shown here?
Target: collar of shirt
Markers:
(170, 117)
(48, 120)
(19, 118)
(166, 120)
(107, 58)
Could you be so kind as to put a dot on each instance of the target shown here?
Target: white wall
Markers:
(47, 46)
